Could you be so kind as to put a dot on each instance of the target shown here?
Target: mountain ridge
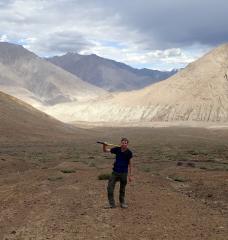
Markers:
(107, 73)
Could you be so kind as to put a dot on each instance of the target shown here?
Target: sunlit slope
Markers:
(197, 93)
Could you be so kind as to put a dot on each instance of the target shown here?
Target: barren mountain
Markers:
(108, 74)
(20, 121)
(37, 81)
(197, 93)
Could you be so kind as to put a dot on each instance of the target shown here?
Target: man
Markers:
(120, 172)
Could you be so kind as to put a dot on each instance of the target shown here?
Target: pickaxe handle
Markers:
(108, 144)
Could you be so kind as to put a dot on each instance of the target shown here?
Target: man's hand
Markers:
(130, 178)
(105, 149)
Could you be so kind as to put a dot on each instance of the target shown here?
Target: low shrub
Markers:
(68, 171)
(104, 176)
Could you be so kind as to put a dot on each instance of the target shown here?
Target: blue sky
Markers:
(142, 33)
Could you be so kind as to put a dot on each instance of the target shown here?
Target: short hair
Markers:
(124, 139)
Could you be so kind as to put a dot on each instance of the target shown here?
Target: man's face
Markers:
(124, 144)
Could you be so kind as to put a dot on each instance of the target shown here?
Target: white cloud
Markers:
(4, 38)
(168, 58)
(136, 32)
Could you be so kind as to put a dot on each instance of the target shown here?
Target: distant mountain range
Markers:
(39, 82)
(108, 74)
(197, 93)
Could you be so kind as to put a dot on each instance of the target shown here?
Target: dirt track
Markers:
(39, 201)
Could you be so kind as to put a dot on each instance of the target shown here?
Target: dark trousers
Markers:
(115, 177)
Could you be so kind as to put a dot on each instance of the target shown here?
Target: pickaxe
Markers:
(108, 144)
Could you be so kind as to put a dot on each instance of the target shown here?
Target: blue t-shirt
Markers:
(122, 160)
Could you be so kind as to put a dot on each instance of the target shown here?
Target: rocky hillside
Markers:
(37, 81)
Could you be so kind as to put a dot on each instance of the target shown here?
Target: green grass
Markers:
(177, 178)
(68, 171)
(104, 176)
(211, 166)
(75, 160)
(55, 178)
(145, 168)
(92, 164)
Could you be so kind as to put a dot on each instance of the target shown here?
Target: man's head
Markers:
(124, 143)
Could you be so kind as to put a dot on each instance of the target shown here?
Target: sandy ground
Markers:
(154, 124)
(179, 191)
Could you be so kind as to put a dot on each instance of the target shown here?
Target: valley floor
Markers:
(179, 191)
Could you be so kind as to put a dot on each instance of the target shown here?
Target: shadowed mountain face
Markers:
(197, 93)
(108, 74)
(37, 81)
(21, 122)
